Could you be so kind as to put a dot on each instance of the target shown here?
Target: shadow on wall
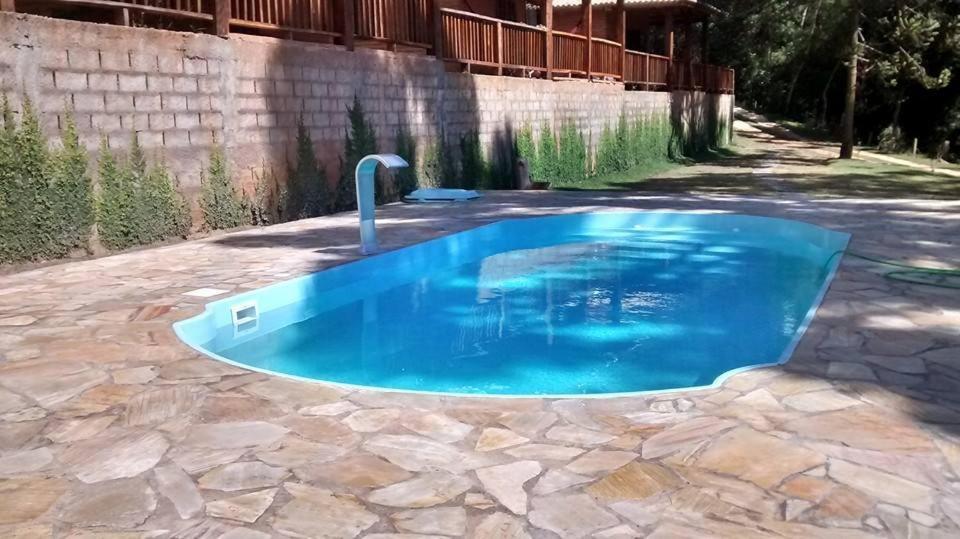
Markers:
(700, 122)
(406, 102)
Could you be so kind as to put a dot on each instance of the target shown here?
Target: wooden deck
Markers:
(477, 43)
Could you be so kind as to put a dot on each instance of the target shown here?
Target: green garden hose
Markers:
(916, 275)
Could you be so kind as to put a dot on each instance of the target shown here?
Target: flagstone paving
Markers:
(109, 424)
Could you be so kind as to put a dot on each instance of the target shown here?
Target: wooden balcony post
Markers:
(547, 7)
(221, 18)
(646, 71)
(347, 10)
(8, 5)
(499, 48)
(622, 37)
(668, 42)
(587, 20)
(437, 30)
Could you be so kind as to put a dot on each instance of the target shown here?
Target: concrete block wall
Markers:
(183, 92)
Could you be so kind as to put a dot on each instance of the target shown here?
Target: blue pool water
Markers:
(566, 305)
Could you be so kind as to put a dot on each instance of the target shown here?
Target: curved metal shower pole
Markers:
(366, 170)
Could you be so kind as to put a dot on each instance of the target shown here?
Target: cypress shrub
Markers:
(163, 210)
(608, 153)
(263, 210)
(222, 207)
(548, 156)
(439, 169)
(361, 141)
(526, 149)
(75, 209)
(572, 160)
(308, 193)
(408, 179)
(117, 207)
(474, 169)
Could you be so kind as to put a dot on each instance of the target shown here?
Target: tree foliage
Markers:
(790, 57)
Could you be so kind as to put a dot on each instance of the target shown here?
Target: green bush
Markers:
(222, 207)
(408, 179)
(609, 153)
(361, 141)
(438, 168)
(572, 160)
(137, 204)
(264, 209)
(548, 157)
(474, 169)
(73, 187)
(117, 208)
(308, 192)
(526, 149)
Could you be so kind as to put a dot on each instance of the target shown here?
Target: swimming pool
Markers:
(583, 304)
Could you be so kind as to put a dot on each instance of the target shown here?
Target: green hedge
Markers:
(137, 204)
(308, 192)
(222, 206)
(46, 197)
(361, 141)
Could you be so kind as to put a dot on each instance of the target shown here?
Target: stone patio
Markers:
(108, 424)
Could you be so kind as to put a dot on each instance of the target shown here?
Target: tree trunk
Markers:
(824, 98)
(846, 148)
(806, 55)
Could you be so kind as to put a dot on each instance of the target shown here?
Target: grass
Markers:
(876, 180)
(919, 159)
(642, 176)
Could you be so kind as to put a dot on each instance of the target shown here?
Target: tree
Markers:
(847, 143)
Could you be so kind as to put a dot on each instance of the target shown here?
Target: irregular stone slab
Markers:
(575, 411)
(50, 382)
(102, 459)
(358, 471)
(244, 533)
(903, 364)
(437, 520)
(733, 492)
(843, 507)
(574, 434)
(11, 402)
(402, 536)
(80, 429)
(417, 454)
(635, 481)
(811, 489)
(425, 490)
(98, 399)
(372, 420)
(292, 395)
(437, 426)
(26, 498)
(573, 515)
(23, 462)
(177, 487)
(157, 406)
(684, 435)
(18, 321)
(919, 467)
(15, 436)
(820, 401)
(883, 486)
(544, 452)
(600, 461)
(529, 424)
(121, 503)
(243, 476)
(322, 429)
(296, 453)
(188, 369)
(316, 512)
(505, 483)
(846, 370)
(136, 375)
(619, 532)
(234, 435)
(244, 508)
(759, 399)
(863, 427)
(332, 409)
(478, 501)
(791, 384)
(757, 457)
(492, 439)
(194, 461)
(556, 480)
(642, 514)
(500, 526)
(222, 408)
(28, 414)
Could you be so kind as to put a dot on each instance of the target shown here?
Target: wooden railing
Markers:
(569, 53)
(302, 16)
(403, 22)
(495, 45)
(605, 58)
